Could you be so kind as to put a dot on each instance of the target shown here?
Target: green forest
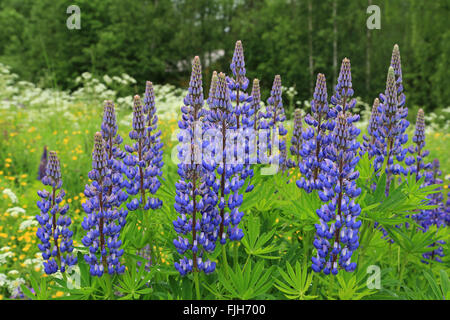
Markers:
(157, 39)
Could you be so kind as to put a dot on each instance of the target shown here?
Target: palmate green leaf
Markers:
(412, 240)
(246, 284)
(297, 282)
(255, 243)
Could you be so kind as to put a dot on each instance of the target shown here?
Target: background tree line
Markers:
(156, 40)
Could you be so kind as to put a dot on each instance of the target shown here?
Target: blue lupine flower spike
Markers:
(296, 139)
(194, 200)
(337, 232)
(239, 83)
(315, 138)
(56, 238)
(104, 219)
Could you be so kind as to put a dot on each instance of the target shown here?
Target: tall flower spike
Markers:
(296, 139)
(212, 88)
(144, 159)
(251, 126)
(239, 83)
(343, 90)
(338, 231)
(104, 219)
(415, 162)
(194, 200)
(396, 64)
(371, 142)
(152, 149)
(391, 132)
(43, 164)
(56, 238)
(274, 117)
(227, 185)
(315, 139)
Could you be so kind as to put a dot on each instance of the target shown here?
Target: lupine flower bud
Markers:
(43, 164)
(212, 88)
(397, 66)
(56, 238)
(343, 90)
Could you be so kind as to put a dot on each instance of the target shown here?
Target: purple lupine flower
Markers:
(396, 64)
(337, 233)
(296, 139)
(391, 132)
(56, 238)
(152, 150)
(252, 113)
(436, 216)
(194, 200)
(143, 159)
(315, 138)
(43, 164)
(341, 100)
(227, 185)
(212, 88)
(239, 83)
(273, 120)
(415, 162)
(371, 142)
(104, 219)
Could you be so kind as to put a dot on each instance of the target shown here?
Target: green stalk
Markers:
(224, 258)
(197, 286)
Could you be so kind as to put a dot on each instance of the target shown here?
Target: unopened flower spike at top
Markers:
(56, 238)
(238, 84)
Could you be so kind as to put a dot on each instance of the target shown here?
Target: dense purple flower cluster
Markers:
(104, 219)
(144, 158)
(56, 238)
(227, 164)
(316, 138)
(436, 216)
(194, 200)
(337, 233)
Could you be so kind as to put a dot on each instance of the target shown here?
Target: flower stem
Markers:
(197, 286)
